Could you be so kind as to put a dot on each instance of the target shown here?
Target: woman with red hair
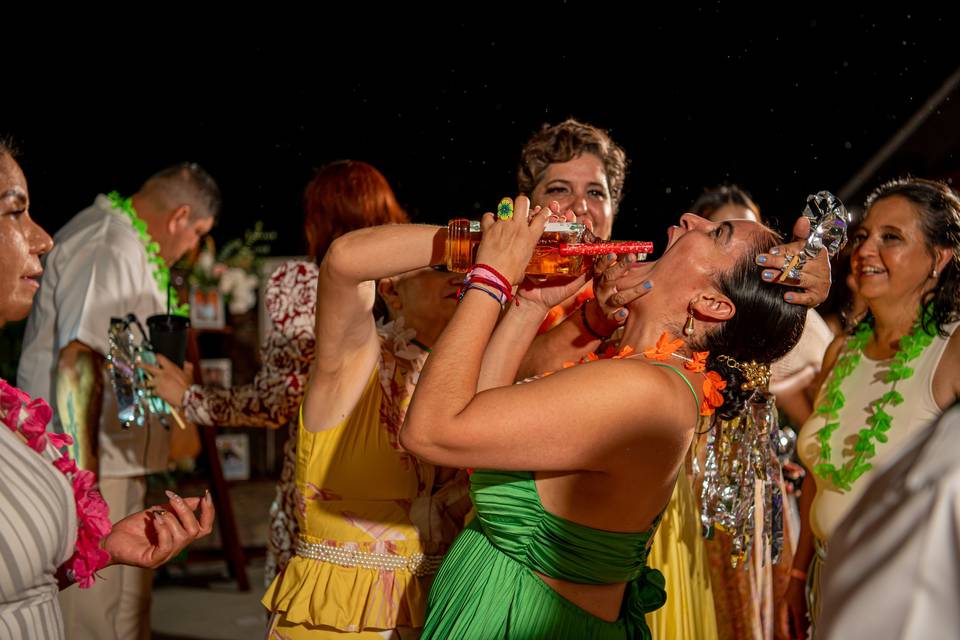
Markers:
(342, 196)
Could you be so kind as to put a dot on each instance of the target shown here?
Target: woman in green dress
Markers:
(575, 468)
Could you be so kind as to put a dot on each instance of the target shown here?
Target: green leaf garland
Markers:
(880, 422)
(161, 273)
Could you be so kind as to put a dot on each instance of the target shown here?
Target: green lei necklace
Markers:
(911, 347)
(161, 273)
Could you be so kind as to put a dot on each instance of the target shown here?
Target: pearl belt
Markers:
(418, 564)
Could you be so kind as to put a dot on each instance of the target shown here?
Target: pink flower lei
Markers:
(30, 418)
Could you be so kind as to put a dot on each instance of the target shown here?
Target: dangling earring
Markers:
(934, 274)
(688, 325)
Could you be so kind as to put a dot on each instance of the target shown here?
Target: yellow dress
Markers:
(679, 552)
(357, 489)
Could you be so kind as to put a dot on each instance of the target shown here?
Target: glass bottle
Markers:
(564, 249)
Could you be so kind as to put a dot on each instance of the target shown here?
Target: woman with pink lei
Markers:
(54, 526)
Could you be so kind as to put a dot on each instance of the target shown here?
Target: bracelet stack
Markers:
(485, 278)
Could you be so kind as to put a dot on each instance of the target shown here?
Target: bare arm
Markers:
(548, 424)
(510, 354)
(796, 404)
(804, 553)
(946, 380)
(618, 281)
(347, 347)
(79, 400)
(151, 537)
(795, 595)
(508, 345)
(568, 341)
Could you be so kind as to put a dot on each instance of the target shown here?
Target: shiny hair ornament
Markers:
(742, 464)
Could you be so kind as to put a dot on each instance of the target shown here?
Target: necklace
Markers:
(911, 347)
(664, 349)
(29, 419)
(161, 272)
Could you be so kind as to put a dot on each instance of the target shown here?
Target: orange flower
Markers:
(712, 385)
(664, 347)
(624, 352)
(699, 362)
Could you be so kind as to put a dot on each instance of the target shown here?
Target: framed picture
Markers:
(206, 308)
(217, 372)
(267, 267)
(234, 452)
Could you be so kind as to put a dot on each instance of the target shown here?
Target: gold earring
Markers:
(688, 325)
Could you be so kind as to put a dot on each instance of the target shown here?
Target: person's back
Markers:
(98, 257)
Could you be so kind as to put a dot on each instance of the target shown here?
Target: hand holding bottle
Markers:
(508, 244)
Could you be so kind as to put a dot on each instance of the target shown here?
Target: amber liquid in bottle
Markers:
(463, 239)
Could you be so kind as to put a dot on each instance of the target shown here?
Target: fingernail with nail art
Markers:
(621, 314)
(775, 251)
(768, 275)
(172, 496)
(789, 297)
(761, 259)
(647, 284)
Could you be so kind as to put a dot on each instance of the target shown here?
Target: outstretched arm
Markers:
(347, 345)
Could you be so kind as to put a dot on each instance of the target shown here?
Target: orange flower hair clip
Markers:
(713, 384)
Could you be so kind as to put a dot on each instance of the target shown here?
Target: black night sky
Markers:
(784, 104)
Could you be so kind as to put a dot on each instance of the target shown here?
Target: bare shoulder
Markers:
(946, 381)
(654, 400)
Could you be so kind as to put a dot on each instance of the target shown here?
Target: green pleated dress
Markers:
(486, 588)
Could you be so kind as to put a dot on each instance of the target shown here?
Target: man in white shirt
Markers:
(893, 570)
(101, 267)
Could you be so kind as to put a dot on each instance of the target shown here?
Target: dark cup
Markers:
(168, 335)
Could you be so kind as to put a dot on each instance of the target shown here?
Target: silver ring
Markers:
(792, 265)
